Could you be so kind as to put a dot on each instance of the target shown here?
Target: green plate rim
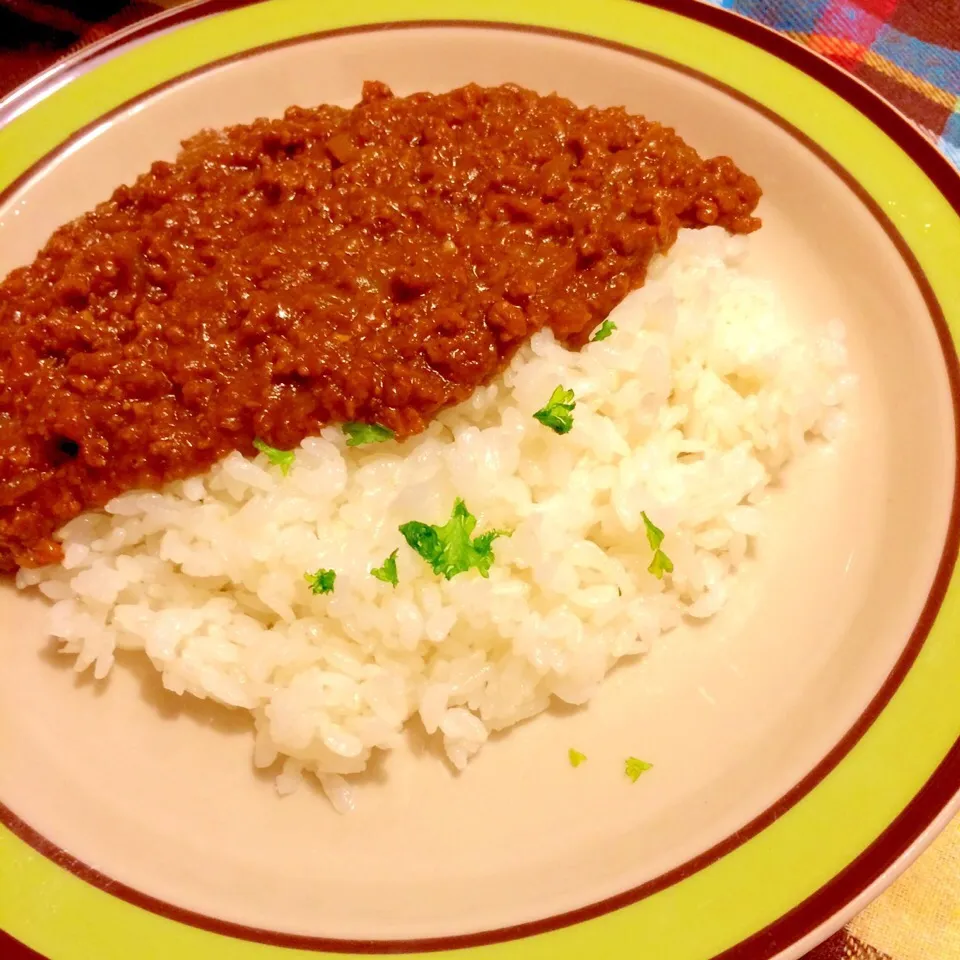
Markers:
(608, 20)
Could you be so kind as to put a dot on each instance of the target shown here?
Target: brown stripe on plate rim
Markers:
(939, 790)
(11, 949)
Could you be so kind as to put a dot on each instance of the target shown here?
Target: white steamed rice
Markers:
(688, 412)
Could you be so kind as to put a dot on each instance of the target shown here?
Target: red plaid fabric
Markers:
(907, 50)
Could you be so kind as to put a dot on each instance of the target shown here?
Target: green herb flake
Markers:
(449, 549)
(322, 581)
(360, 433)
(558, 413)
(634, 768)
(576, 757)
(388, 572)
(661, 563)
(278, 458)
(603, 331)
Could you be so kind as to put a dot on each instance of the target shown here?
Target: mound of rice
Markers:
(688, 411)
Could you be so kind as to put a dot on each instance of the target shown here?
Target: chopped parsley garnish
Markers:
(661, 563)
(576, 757)
(558, 413)
(603, 331)
(388, 572)
(322, 581)
(449, 549)
(635, 767)
(278, 458)
(360, 433)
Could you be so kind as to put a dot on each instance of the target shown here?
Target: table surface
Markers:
(908, 51)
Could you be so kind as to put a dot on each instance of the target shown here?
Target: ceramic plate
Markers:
(805, 743)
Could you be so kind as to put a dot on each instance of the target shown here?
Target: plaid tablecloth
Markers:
(907, 50)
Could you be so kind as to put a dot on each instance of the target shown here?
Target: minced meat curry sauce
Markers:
(374, 264)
